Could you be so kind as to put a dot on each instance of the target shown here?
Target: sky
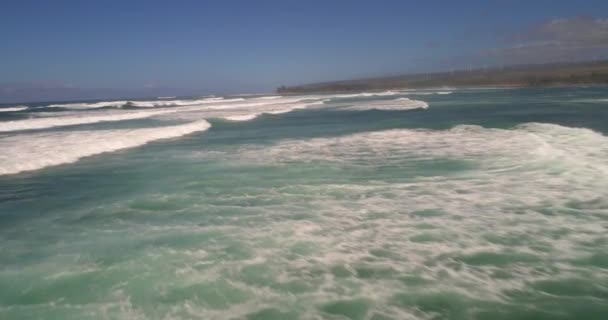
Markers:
(89, 49)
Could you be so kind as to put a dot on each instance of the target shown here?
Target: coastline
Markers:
(546, 75)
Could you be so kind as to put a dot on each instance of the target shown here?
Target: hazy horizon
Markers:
(68, 50)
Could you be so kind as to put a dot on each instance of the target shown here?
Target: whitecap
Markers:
(13, 109)
(244, 117)
(395, 104)
(366, 94)
(69, 120)
(96, 105)
(29, 152)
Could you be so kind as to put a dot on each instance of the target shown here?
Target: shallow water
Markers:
(488, 204)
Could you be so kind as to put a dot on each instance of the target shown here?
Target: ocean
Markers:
(413, 204)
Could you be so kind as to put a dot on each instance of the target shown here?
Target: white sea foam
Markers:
(206, 103)
(71, 119)
(245, 117)
(163, 101)
(525, 143)
(39, 150)
(215, 102)
(353, 220)
(291, 107)
(80, 106)
(512, 185)
(256, 102)
(271, 97)
(366, 94)
(395, 104)
(504, 220)
(426, 93)
(235, 115)
(156, 103)
(13, 109)
(601, 100)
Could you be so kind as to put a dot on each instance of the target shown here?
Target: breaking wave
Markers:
(35, 151)
(272, 109)
(31, 151)
(424, 93)
(13, 109)
(518, 210)
(61, 121)
(366, 94)
(82, 106)
(523, 144)
(178, 103)
(396, 104)
(162, 102)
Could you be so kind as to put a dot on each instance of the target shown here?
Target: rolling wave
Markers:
(179, 103)
(447, 208)
(424, 93)
(32, 151)
(82, 106)
(61, 121)
(162, 102)
(36, 151)
(13, 109)
(367, 94)
(395, 104)
(574, 155)
(271, 109)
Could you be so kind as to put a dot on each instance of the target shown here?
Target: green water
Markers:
(490, 204)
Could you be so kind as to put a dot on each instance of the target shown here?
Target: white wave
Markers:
(433, 229)
(292, 107)
(245, 117)
(475, 233)
(154, 103)
(237, 109)
(258, 102)
(271, 109)
(426, 93)
(396, 104)
(163, 101)
(169, 97)
(35, 151)
(12, 109)
(212, 102)
(533, 146)
(366, 94)
(591, 100)
(271, 97)
(79, 106)
(60, 121)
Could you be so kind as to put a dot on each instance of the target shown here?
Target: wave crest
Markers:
(13, 109)
(61, 121)
(395, 104)
(35, 151)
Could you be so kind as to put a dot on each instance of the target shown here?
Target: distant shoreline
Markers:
(546, 75)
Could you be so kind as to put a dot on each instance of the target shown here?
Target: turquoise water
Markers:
(438, 204)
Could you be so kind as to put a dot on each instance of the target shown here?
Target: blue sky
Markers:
(254, 46)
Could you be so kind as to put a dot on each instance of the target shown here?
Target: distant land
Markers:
(555, 74)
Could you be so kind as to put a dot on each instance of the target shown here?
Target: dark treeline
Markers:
(525, 75)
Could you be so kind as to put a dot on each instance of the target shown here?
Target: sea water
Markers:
(427, 204)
